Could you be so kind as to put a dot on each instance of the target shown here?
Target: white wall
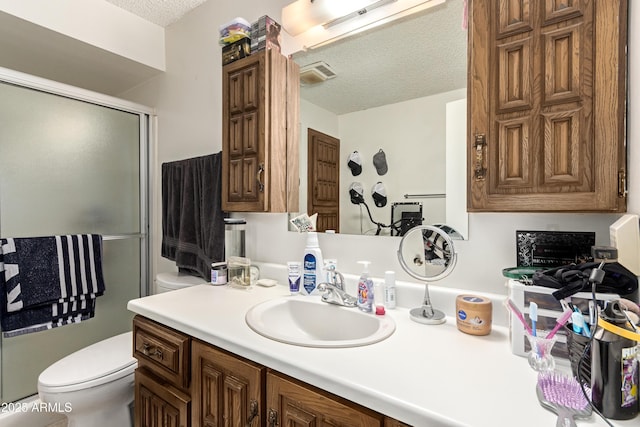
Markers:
(188, 101)
(97, 23)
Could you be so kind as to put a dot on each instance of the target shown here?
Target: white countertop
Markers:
(422, 375)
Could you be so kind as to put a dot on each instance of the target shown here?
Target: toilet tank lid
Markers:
(177, 280)
(95, 361)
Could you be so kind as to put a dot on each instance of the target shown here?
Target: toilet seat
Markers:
(97, 364)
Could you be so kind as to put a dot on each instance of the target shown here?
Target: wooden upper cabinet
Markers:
(547, 95)
(260, 134)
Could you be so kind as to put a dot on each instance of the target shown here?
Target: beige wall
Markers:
(188, 102)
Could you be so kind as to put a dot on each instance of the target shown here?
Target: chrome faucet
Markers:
(334, 292)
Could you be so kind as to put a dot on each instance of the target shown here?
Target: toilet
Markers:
(94, 387)
(173, 280)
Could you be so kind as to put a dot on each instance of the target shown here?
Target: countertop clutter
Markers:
(421, 375)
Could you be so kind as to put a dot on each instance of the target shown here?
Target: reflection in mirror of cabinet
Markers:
(260, 134)
(547, 106)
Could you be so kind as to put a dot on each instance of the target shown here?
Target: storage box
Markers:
(549, 309)
(550, 249)
(265, 34)
(236, 50)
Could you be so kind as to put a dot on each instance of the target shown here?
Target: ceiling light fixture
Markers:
(314, 23)
(301, 15)
(357, 13)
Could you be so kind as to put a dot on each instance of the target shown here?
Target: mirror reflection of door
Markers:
(324, 180)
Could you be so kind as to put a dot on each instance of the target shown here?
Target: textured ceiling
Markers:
(160, 12)
(414, 57)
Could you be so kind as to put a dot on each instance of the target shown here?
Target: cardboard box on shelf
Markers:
(265, 34)
(236, 50)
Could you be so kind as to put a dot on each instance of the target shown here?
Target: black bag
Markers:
(573, 278)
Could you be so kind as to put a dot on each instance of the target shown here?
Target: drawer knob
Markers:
(152, 351)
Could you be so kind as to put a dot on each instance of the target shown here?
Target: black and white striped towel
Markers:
(49, 281)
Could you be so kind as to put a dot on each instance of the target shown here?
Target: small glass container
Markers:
(239, 271)
(540, 358)
(219, 273)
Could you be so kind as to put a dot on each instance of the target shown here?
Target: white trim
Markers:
(57, 88)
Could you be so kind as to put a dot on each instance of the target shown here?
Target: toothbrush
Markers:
(560, 321)
(512, 307)
(578, 324)
(533, 315)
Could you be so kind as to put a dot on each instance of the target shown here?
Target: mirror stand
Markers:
(427, 254)
(427, 314)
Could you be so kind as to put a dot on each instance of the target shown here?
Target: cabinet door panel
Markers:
(514, 17)
(227, 390)
(235, 100)
(158, 404)
(251, 132)
(563, 65)
(546, 125)
(515, 76)
(251, 88)
(293, 404)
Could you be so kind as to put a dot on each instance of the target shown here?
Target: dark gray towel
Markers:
(192, 217)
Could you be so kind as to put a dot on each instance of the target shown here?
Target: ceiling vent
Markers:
(316, 73)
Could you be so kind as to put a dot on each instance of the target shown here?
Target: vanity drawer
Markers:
(162, 350)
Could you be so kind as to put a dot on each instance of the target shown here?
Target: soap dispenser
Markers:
(365, 289)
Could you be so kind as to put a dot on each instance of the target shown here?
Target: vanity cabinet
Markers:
(183, 382)
(260, 134)
(390, 422)
(547, 91)
(227, 390)
(162, 379)
(291, 403)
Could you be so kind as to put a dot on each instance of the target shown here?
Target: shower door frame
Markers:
(147, 147)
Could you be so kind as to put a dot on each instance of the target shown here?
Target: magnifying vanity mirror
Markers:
(400, 88)
(426, 253)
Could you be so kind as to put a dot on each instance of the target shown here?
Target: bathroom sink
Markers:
(311, 323)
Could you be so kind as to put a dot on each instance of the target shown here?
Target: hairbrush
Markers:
(563, 395)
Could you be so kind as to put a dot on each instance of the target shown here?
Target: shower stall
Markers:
(72, 162)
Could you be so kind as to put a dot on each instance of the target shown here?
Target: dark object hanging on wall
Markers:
(192, 217)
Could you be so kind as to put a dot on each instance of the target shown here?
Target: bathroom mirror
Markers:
(392, 91)
(427, 253)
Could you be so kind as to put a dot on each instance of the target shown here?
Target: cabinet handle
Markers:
(151, 351)
(480, 145)
(259, 177)
(253, 409)
(272, 418)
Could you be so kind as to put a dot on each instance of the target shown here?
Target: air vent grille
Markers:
(316, 73)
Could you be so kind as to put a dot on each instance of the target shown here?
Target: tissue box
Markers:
(549, 309)
(265, 34)
(236, 50)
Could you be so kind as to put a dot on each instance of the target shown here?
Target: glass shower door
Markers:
(71, 167)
